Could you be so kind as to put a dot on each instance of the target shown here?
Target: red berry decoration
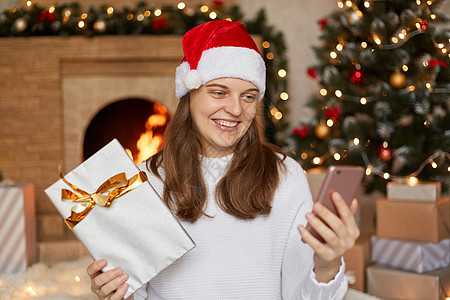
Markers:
(302, 132)
(312, 73)
(357, 76)
(385, 153)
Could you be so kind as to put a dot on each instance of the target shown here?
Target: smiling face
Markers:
(222, 110)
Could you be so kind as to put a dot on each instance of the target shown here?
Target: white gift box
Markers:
(18, 242)
(137, 232)
(411, 256)
(422, 191)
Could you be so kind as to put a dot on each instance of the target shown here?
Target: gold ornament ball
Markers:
(100, 26)
(20, 24)
(322, 131)
(397, 80)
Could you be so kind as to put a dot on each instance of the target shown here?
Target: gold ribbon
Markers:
(111, 189)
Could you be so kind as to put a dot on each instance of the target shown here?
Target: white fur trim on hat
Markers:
(223, 62)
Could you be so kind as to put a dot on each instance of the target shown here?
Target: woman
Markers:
(243, 202)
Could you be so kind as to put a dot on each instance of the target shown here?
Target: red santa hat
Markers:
(219, 49)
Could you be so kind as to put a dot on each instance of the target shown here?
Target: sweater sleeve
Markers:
(298, 278)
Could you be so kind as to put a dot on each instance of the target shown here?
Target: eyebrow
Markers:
(226, 87)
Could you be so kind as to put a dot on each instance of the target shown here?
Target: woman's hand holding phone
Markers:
(332, 229)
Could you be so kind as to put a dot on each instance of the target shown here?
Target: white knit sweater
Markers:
(263, 258)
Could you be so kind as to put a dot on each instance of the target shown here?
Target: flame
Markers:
(148, 143)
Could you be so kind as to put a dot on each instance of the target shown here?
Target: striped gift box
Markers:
(411, 256)
(18, 244)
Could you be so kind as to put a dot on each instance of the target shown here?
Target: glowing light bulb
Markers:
(363, 101)
(368, 170)
(356, 141)
(213, 15)
(284, 96)
(333, 54)
(348, 3)
(269, 55)
(429, 2)
(413, 180)
(110, 10)
(181, 5)
(204, 8)
(278, 115)
(29, 3)
(339, 47)
(386, 175)
(330, 123)
(266, 44)
(337, 156)
(405, 68)
(418, 2)
(366, 4)
(282, 73)
(340, 4)
(130, 17)
(433, 164)
(304, 155)
(428, 85)
(323, 92)
(363, 45)
(440, 45)
(377, 41)
(84, 16)
(401, 35)
(338, 93)
(394, 40)
(77, 278)
(51, 9)
(433, 16)
(316, 160)
(140, 17)
(81, 24)
(158, 12)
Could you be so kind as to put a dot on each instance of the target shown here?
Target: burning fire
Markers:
(149, 142)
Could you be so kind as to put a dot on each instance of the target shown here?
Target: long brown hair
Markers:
(245, 191)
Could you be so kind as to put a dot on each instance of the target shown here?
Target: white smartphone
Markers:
(343, 179)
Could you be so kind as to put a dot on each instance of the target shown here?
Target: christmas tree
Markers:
(384, 92)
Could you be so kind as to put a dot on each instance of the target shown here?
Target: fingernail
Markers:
(318, 207)
(124, 276)
(117, 271)
(301, 228)
(309, 216)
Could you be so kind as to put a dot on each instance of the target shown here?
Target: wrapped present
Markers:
(394, 284)
(422, 191)
(117, 215)
(356, 260)
(411, 256)
(18, 244)
(413, 221)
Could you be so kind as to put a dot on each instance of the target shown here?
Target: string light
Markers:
(316, 160)
(77, 278)
(363, 101)
(413, 180)
(304, 155)
(157, 12)
(340, 4)
(140, 17)
(386, 175)
(204, 8)
(363, 45)
(130, 17)
(339, 47)
(110, 10)
(51, 9)
(337, 156)
(29, 3)
(418, 2)
(282, 73)
(323, 92)
(330, 123)
(433, 16)
(81, 24)
(369, 170)
(366, 4)
(181, 5)
(348, 3)
(84, 16)
(333, 54)
(394, 40)
(278, 115)
(433, 164)
(212, 15)
(338, 93)
(266, 44)
(284, 96)
(405, 68)
(356, 141)
(269, 55)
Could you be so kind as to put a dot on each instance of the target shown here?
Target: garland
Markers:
(71, 19)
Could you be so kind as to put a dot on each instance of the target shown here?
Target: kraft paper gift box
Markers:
(411, 256)
(18, 242)
(356, 260)
(137, 232)
(392, 284)
(422, 191)
(413, 221)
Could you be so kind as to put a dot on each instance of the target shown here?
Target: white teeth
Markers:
(226, 123)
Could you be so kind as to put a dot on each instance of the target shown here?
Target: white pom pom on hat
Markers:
(219, 49)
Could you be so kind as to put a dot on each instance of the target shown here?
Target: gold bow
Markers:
(111, 189)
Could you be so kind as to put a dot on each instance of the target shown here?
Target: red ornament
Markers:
(302, 132)
(218, 3)
(385, 154)
(47, 16)
(312, 73)
(434, 62)
(332, 113)
(357, 76)
(423, 24)
(159, 23)
(323, 22)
